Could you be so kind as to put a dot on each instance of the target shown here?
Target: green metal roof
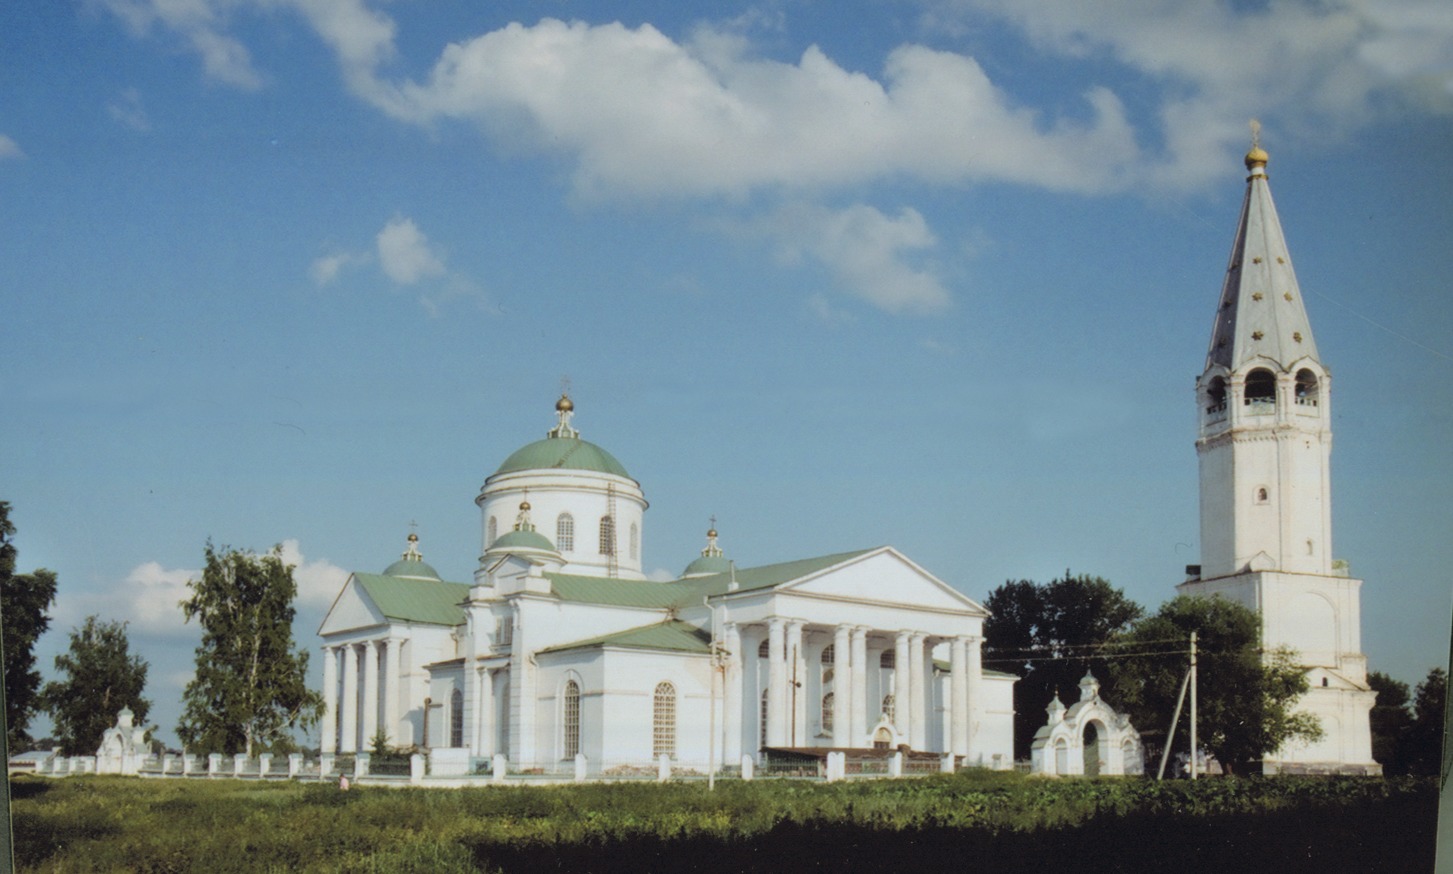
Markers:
(430, 601)
(707, 564)
(649, 595)
(522, 540)
(567, 453)
(672, 635)
(412, 567)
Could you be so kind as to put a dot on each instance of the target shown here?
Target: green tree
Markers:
(1423, 740)
(250, 687)
(101, 677)
(25, 600)
(1246, 695)
(1046, 634)
(1389, 721)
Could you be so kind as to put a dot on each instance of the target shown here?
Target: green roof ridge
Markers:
(434, 602)
(673, 635)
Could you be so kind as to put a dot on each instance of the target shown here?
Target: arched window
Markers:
(456, 718)
(635, 542)
(827, 702)
(887, 660)
(570, 721)
(829, 655)
(888, 707)
(1263, 495)
(1260, 387)
(565, 532)
(663, 722)
(765, 650)
(607, 536)
(492, 532)
(1216, 395)
(1306, 388)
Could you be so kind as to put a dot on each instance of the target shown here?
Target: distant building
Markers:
(560, 645)
(1088, 739)
(1265, 445)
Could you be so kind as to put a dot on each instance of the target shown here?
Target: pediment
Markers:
(884, 576)
(351, 610)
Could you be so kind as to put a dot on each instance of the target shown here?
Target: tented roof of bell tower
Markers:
(1261, 314)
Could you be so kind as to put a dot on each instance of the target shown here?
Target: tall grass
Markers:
(976, 818)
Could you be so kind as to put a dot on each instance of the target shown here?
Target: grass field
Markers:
(1001, 823)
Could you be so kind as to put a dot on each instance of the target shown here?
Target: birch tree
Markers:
(101, 676)
(250, 688)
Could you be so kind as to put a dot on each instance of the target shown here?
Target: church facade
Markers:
(561, 647)
(1265, 445)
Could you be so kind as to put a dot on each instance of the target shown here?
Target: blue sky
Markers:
(933, 273)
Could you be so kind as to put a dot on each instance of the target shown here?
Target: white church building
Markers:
(1265, 447)
(561, 647)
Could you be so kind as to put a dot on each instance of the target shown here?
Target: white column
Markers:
(975, 686)
(796, 685)
(959, 696)
(483, 713)
(349, 702)
(902, 688)
(858, 705)
(918, 722)
(391, 683)
(329, 741)
(370, 694)
(777, 697)
(842, 688)
(732, 696)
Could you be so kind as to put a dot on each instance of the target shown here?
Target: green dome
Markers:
(522, 540)
(412, 567)
(707, 564)
(566, 453)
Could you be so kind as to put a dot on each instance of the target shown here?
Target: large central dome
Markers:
(566, 453)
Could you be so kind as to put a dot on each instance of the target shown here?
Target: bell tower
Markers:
(1264, 446)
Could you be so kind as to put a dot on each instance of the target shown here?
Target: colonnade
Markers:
(353, 715)
(858, 651)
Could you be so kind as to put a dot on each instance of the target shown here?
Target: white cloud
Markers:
(127, 109)
(201, 25)
(318, 581)
(9, 148)
(867, 252)
(325, 269)
(404, 253)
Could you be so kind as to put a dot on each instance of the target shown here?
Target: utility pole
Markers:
(1193, 706)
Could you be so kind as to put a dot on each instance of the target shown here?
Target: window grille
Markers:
(635, 542)
(565, 533)
(570, 746)
(888, 707)
(762, 728)
(607, 536)
(456, 718)
(663, 722)
(888, 660)
(827, 702)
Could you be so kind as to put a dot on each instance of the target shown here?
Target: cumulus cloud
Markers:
(404, 252)
(201, 25)
(867, 252)
(127, 109)
(9, 148)
(149, 598)
(325, 269)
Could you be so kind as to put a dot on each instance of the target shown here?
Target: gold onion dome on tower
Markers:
(565, 404)
(1257, 157)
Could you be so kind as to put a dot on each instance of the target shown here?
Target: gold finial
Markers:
(1257, 157)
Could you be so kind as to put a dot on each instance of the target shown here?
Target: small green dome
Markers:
(707, 564)
(521, 540)
(566, 453)
(412, 568)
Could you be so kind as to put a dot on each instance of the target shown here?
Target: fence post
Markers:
(295, 764)
(663, 768)
(189, 763)
(264, 765)
(837, 766)
(416, 768)
(325, 765)
(239, 764)
(360, 765)
(501, 764)
(895, 765)
(579, 767)
(946, 763)
(747, 763)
